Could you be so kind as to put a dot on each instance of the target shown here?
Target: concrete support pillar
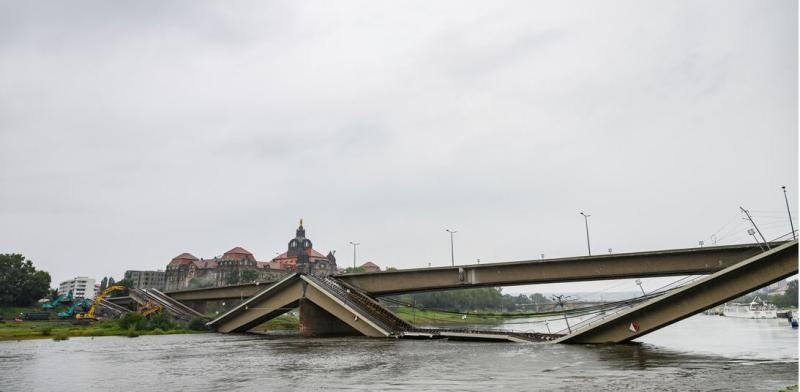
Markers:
(317, 322)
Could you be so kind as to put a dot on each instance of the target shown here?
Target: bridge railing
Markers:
(601, 316)
(372, 310)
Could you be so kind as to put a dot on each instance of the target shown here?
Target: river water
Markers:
(700, 353)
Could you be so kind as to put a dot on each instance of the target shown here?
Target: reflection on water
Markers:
(212, 362)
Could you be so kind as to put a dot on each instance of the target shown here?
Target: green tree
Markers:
(124, 283)
(791, 293)
(357, 269)
(132, 320)
(103, 284)
(20, 283)
(786, 300)
(161, 321)
(538, 298)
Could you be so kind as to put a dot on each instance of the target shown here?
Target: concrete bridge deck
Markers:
(692, 261)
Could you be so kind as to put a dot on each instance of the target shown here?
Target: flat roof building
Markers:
(146, 279)
(81, 287)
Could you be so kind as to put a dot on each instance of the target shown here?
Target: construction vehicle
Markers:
(90, 314)
(150, 308)
(85, 303)
(33, 316)
(57, 300)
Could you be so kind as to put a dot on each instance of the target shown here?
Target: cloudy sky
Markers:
(135, 131)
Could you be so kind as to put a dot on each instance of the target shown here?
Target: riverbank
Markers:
(284, 322)
(61, 330)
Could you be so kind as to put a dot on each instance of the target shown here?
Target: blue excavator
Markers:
(57, 300)
(80, 303)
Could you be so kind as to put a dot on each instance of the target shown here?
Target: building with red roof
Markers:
(238, 265)
(370, 267)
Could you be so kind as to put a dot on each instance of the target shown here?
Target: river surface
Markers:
(700, 353)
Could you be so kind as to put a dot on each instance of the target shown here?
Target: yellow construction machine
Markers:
(90, 314)
(149, 308)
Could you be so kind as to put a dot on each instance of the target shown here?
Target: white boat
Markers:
(757, 309)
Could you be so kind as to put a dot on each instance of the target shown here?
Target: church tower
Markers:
(300, 247)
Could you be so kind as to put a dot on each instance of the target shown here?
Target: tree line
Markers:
(786, 300)
(473, 299)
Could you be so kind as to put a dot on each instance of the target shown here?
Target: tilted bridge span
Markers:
(345, 304)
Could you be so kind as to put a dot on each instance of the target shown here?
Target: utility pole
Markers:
(354, 253)
(452, 255)
(750, 218)
(586, 221)
(791, 224)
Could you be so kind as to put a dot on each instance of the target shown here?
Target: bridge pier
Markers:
(317, 322)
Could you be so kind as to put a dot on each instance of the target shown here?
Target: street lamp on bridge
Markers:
(354, 253)
(452, 256)
(586, 221)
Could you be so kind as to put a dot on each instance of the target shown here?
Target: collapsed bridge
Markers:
(346, 305)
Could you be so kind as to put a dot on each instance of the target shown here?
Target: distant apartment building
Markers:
(146, 279)
(81, 287)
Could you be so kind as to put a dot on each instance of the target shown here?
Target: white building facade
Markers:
(81, 286)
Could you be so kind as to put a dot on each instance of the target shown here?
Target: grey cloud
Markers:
(145, 130)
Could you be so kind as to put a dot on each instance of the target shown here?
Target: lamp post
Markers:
(354, 253)
(794, 236)
(639, 283)
(586, 221)
(452, 253)
(753, 233)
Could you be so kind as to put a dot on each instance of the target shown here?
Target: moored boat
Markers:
(757, 309)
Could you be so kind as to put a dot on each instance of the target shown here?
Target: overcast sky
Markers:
(134, 131)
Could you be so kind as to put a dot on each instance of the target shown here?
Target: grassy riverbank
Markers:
(284, 322)
(132, 325)
(59, 330)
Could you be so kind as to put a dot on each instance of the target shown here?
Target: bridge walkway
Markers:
(365, 305)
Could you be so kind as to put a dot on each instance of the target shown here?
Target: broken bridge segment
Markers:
(331, 308)
(729, 283)
(326, 308)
